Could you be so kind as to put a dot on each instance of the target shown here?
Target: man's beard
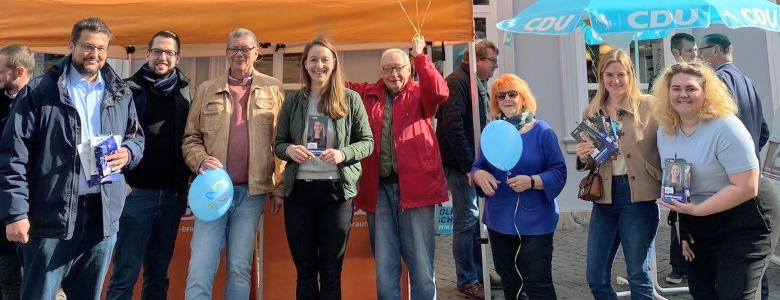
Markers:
(9, 85)
(83, 70)
(162, 74)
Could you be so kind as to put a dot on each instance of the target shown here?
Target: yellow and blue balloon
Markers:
(211, 194)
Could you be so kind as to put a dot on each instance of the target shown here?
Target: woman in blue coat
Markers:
(521, 212)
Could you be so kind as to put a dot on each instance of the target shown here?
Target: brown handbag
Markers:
(591, 187)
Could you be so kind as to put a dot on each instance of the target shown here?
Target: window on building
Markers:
(44, 61)
(481, 2)
(265, 64)
(291, 68)
(651, 61)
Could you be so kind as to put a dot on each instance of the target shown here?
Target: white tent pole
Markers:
(475, 104)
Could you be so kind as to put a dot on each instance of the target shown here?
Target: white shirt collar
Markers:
(75, 79)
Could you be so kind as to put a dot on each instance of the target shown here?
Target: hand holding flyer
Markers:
(675, 184)
(316, 139)
(93, 154)
(604, 145)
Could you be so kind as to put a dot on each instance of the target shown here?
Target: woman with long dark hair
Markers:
(319, 188)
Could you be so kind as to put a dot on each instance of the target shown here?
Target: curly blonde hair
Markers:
(718, 102)
(511, 82)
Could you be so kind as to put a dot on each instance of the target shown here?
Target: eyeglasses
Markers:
(245, 51)
(89, 48)
(389, 70)
(494, 60)
(159, 52)
(501, 95)
(702, 48)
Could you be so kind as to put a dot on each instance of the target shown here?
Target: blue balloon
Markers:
(502, 144)
(211, 194)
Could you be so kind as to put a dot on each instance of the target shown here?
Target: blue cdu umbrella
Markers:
(593, 38)
(633, 17)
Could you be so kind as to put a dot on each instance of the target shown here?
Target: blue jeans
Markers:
(239, 227)
(466, 252)
(408, 234)
(147, 235)
(79, 264)
(632, 225)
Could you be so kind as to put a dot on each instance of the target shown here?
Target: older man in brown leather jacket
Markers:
(235, 111)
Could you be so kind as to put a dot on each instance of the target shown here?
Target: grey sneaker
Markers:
(675, 278)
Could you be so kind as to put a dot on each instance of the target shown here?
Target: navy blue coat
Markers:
(748, 103)
(39, 167)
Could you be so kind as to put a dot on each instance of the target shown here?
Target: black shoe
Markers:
(675, 277)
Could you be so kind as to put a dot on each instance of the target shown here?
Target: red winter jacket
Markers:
(420, 173)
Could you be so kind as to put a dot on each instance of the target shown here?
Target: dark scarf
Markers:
(519, 120)
(163, 86)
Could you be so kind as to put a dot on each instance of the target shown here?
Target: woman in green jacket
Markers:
(321, 181)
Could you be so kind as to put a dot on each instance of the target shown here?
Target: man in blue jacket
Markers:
(66, 227)
(716, 50)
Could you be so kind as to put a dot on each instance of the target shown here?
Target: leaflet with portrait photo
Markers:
(675, 184)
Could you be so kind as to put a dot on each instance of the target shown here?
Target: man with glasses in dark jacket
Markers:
(455, 133)
(67, 226)
(157, 187)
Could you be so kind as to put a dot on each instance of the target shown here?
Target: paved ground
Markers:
(569, 267)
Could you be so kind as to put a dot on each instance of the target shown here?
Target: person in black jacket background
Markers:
(455, 133)
(16, 64)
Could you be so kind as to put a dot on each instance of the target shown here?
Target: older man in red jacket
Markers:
(403, 179)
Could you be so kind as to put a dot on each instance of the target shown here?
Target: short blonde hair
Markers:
(718, 102)
(511, 82)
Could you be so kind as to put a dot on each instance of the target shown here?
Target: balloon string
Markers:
(424, 15)
(417, 15)
(417, 31)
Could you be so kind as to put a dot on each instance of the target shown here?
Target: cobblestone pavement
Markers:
(569, 267)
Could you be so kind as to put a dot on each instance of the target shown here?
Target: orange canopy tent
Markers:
(204, 25)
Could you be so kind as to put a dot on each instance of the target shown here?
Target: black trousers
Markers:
(676, 259)
(317, 218)
(732, 248)
(534, 263)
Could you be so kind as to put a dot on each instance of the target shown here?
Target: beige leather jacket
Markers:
(208, 128)
(639, 147)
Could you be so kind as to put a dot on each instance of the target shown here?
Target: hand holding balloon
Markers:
(211, 194)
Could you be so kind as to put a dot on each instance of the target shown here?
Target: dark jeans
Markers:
(79, 264)
(10, 276)
(317, 219)
(732, 248)
(534, 262)
(147, 235)
(676, 259)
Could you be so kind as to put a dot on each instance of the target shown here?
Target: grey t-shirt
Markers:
(716, 148)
